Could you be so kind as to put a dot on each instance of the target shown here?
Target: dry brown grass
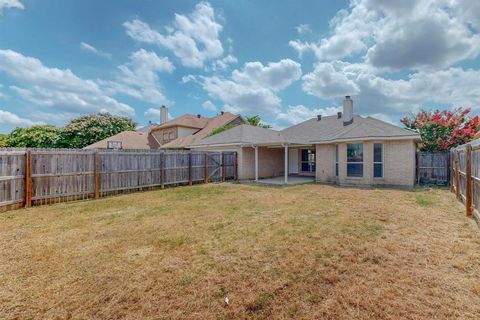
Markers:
(308, 252)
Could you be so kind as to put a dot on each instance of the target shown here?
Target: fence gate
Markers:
(433, 168)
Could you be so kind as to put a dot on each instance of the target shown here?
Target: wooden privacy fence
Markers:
(433, 168)
(465, 176)
(32, 177)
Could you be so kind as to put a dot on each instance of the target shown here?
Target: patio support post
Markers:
(256, 163)
(286, 164)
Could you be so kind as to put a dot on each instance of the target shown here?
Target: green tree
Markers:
(3, 140)
(221, 129)
(39, 136)
(253, 121)
(85, 130)
(257, 122)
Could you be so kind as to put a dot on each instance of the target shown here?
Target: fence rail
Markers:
(33, 177)
(465, 176)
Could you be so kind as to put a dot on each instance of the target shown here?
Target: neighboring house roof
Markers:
(187, 120)
(245, 135)
(331, 129)
(129, 139)
(210, 125)
(147, 128)
(327, 130)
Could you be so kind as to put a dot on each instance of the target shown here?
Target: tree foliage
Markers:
(39, 136)
(78, 133)
(85, 130)
(256, 121)
(253, 121)
(221, 129)
(443, 130)
(3, 140)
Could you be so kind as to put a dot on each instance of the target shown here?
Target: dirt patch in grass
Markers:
(309, 252)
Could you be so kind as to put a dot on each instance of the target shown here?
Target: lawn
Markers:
(310, 252)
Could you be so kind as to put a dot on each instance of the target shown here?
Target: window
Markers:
(171, 135)
(336, 160)
(354, 160)
(308, 160)
(165, 136)
(114, 144)
(377, 160)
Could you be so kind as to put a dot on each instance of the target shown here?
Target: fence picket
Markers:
(33, 177)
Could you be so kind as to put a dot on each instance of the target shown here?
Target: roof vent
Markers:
(199, 116)
(339, 115)
(222, 112)
(319, 117)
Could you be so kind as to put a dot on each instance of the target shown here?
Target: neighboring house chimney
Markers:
(163, 114)
(347, 111)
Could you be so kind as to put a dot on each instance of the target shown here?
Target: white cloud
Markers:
(139, 76)
(10, 4)
(91, 49)
(192, 38)
(10, 119)
(401, 34)
(209, 105)
(57, 88)
(393, 97)
(327, 81)
(253, 89)
(153, 114)
(300, 113)
(274, 76)
(240, 98)
(188, 78)
(222, 64)
(303, 29)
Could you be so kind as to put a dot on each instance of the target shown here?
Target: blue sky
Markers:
(284, 60)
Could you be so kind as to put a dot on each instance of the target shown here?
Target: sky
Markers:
(284, 60)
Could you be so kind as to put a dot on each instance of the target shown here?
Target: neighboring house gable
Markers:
(128, 140)
(173, 134)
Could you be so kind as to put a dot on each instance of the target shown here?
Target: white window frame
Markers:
(362, 162)
(379, 162)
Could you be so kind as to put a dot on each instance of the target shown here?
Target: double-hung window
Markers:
(377, 160)
(354, 160)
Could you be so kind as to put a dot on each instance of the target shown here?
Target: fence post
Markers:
(206, 168)
(190, 168)
(28, 179)
(162, 170)
(468, 181)
(97, 174)
(457, 175)
(451, 170)
(417, 163)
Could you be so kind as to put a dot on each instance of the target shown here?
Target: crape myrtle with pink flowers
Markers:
(442, 130)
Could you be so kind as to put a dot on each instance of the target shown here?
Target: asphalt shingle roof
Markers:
(328, 129)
